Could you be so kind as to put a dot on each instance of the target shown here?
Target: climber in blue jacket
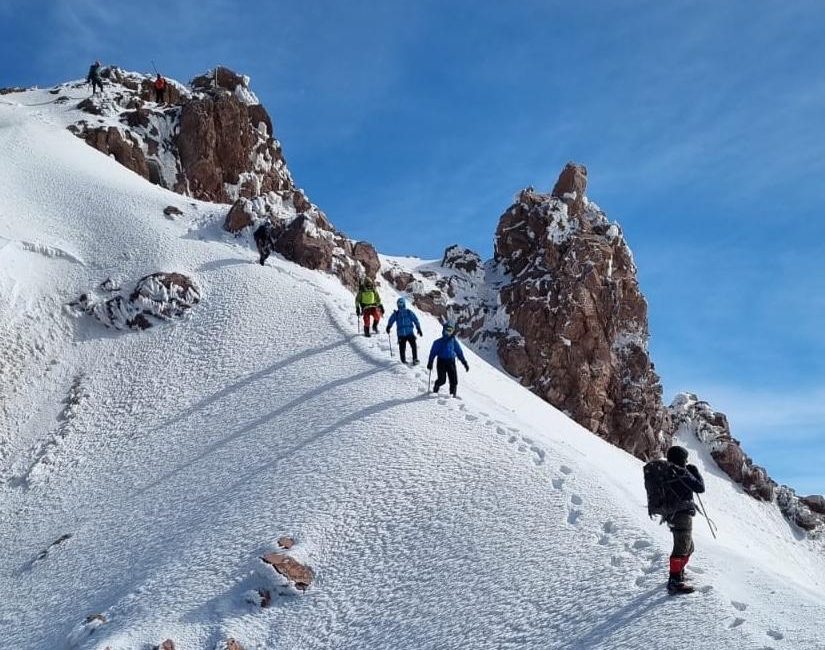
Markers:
(407, 321)
(446, 349)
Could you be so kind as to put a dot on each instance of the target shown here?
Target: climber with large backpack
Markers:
(94, 77)
(265, 236)
(407, 321)
(368, 305)
(670, 485)
(446, 349)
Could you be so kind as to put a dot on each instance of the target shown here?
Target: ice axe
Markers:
(711, 525)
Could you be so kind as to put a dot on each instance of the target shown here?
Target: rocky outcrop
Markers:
(559, 307)
(156, 298)
(292, 572)
(212, 141)
(694, 417)
(578, 321)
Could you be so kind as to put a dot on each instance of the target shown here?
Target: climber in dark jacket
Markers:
(684, 482)
(265, 236)
(447, 348)
(94, 77)
(407, 322)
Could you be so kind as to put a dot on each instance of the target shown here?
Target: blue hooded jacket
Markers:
(447, 347)
(407, 321)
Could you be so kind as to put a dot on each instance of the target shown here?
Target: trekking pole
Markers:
(154, 67)
(389, 338)
(429, 378)
(711, 525)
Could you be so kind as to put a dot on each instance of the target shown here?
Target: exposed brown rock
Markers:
(258, 115)
(239, 216)
(171, 210)
(298, 575)
(365, 253)
(815, 502)
(156, 298)
(219, 77)
(286, 542)
(463, 259)
(137, 117)
(265, 598)
(581, 321)
(8, 90)
(122, 145)
(231, 644)
(692, 416)
(571, 187)
(89, 106)
(166, 645)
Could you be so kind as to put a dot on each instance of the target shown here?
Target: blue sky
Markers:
(413, 124)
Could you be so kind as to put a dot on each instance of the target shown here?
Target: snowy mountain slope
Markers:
(175, 457)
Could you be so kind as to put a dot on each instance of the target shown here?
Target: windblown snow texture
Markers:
(144, 473)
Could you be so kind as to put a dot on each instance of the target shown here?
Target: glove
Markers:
(357, 311)
(420, 333)
(692, 469)
(388, 330)
(381, 309)
(429, 366)
(466, 367)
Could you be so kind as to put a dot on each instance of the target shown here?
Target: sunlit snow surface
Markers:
(174, 457)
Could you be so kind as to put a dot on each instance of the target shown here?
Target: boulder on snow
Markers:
(286, 542)
(229, 644)
(171, 211)
(166, 645)
(298, 575)
(155, 298)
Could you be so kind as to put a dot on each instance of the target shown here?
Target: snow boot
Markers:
(414, 362)
(375, 327)
(367, 330)
(675, 585)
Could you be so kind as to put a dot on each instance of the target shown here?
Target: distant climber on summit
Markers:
(368, 304)
(407, 321)
(94, 77)
(670, 486)
(446, 349)
(160, 88)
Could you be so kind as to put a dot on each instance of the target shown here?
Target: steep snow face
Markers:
(144, 473)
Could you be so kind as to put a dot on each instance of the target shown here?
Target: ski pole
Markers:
(711, 525)
(389, 338)
(429, 378)
(154, 67)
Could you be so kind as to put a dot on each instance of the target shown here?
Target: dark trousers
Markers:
(681, 525)
(159, 95)
(445, 368)
(96, 83)
(402, 347)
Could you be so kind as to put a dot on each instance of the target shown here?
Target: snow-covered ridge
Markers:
(175, 459)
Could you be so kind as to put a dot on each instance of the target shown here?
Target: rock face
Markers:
(213, 141)
(560, 307)
(694, 417)
(156, 298)
(578, 318)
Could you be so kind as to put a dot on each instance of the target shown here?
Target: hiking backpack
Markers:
(658, 475)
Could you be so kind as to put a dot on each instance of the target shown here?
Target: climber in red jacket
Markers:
(160, 88)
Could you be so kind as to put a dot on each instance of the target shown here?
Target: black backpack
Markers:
(660, 496)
